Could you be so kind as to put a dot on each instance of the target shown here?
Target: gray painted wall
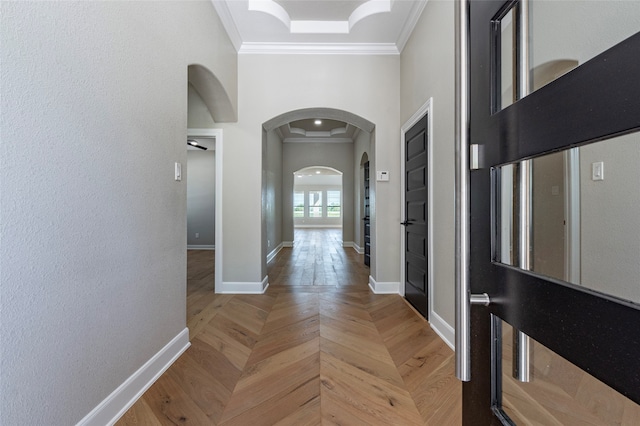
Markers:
(272, 202)
(295, 84)
(296, 156)
(93, 224)
(201, 201)
(427, 70)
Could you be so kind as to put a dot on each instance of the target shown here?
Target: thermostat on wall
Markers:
(382, 176)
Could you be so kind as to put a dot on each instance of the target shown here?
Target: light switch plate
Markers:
(597, 170)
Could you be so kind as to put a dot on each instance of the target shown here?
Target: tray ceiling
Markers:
(319, 26)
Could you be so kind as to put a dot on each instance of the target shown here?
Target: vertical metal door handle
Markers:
(463, 299)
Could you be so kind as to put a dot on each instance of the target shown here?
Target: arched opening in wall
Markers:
(208, 104)
(317, 201)
(298, 146)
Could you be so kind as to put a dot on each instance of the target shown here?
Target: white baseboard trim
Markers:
(192, 247)
(358, 249)
(383, 287)
(115, 405)
(287, 244)
(274, 252)
(442, 329)
(348, 244)
(244, 288)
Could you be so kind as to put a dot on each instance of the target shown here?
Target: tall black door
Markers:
(588, 324)
(415, 220)
(366, 218)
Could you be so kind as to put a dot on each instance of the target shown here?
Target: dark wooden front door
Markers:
(415, 221)
(597, 102)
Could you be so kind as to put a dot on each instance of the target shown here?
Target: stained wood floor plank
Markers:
(256, 359)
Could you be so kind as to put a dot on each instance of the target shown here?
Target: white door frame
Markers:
(216, 134)
(426, 109)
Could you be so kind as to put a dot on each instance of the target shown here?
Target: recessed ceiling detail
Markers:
(332, 131)
(378, 27)
(319, 26)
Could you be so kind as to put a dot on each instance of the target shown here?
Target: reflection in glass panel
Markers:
(559, 393)
(507, 94)
(565, 34)
(583, 214)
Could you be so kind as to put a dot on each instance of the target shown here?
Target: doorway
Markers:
(416, 210)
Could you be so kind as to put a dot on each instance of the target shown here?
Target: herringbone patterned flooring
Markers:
(317, 348)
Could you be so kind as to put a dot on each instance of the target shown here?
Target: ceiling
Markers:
(317, 176)
(319, 26)
(314, 130)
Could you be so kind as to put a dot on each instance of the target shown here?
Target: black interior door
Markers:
(415, 221)
(597, 332)
(366, 219)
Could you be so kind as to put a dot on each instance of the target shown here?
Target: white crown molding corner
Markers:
(244, 287)
(383, 287)
(120, 400)
(410, 24)
(274, 252)
(442, 329)
(229, 25)
(257, 48)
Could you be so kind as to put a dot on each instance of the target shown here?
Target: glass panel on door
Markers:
(559, 393)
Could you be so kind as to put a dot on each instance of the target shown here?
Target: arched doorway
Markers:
(301, 139)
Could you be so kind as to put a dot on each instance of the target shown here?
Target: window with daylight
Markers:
(315, 203)
(333, 203)
(298, 204)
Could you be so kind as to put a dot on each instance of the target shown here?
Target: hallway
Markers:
(317, 348)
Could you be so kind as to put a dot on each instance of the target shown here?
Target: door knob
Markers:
(406, 222)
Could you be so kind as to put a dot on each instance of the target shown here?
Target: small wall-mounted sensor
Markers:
(382, 176)
(178, 170)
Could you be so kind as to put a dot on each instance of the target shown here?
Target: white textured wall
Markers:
(201, 197)
(367, 86)
(94, 114)
(198, 116)
(428, 71)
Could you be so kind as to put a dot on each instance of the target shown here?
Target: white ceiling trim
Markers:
(411, 23)
(228, 23)
(315, 140)
(319, 49)
(370, 7)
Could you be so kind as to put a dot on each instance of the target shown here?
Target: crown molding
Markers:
(229, 25)
(410, 24)
(317, 140)
(257, 48)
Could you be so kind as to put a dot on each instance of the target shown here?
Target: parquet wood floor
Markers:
(317, 348)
